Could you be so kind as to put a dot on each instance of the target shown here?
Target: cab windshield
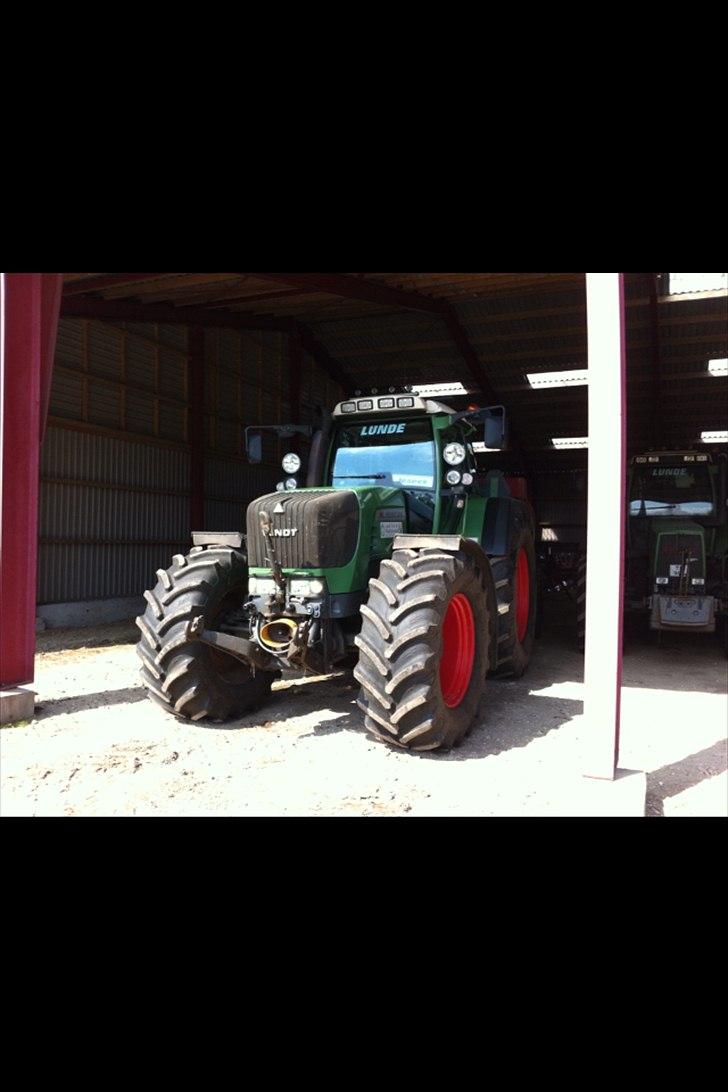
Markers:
(672, 491)
(386, 453)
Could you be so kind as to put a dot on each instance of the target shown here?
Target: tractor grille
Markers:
(673, 550)
(326, 524)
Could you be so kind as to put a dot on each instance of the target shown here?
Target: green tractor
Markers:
(677, 570)
(397, 558)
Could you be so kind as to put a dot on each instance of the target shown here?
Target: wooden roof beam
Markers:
(343, 284)
(120, 311)
(108, 280)
(357, 288)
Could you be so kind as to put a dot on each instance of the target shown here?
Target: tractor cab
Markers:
(673, 486)
(421, 448)
(676, 532)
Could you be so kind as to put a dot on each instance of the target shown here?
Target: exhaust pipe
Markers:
(276, 635)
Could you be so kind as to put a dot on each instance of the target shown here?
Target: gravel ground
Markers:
(98, 747)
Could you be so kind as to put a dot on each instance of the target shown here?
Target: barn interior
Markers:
(157, 375)
(154, 379)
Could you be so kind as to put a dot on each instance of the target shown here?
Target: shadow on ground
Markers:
(680, 663)
(686, 774)
(54, 707)
(510, 715)
(65, 640)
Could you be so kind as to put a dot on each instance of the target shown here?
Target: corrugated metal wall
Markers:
(111, 512)
(115, 464)
(247, 382)
(561, 502)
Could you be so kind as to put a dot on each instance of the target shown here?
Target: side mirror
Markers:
(254, 445)
(254, 437)
(495, 427)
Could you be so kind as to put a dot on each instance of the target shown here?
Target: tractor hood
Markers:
(335, 533)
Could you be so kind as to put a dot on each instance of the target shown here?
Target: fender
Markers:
(504, 518)
(234, 539)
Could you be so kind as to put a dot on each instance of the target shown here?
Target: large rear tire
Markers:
(424, 648)
(516, 592)
(189, 679)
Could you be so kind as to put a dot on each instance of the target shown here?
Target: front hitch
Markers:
(280, 580)
(239, 647)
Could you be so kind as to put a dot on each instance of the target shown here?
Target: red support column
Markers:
(29, 309)
(196, 427)
(605, 521)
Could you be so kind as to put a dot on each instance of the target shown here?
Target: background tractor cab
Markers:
(676, 544)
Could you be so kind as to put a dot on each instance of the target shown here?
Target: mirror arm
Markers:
(480, 414)
(285, 432)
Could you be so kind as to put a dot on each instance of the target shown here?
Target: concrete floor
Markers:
(98, 747)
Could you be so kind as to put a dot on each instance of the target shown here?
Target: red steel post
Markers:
(29, 320)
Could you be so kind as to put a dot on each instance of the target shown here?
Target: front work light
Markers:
(291, 463)
(454, 454)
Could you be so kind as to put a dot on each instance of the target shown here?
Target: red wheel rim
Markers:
(523, 593)
(458, 651)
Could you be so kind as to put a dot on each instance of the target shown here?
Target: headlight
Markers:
(453, 477)
(291, 463)
(306, 588)
(291, 483)
(258, 585)
(467, 479)
(454, 454)
(281, 486)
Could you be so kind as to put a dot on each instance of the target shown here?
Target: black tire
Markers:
(514, 653)
(401, 648)
(185, 677)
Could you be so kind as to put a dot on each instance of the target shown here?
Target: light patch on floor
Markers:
(99, 747)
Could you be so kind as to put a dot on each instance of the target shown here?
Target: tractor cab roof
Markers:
(672, 457)
(387, 404)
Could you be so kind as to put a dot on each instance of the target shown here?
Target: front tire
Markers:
(189, 679)
(424, 649)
